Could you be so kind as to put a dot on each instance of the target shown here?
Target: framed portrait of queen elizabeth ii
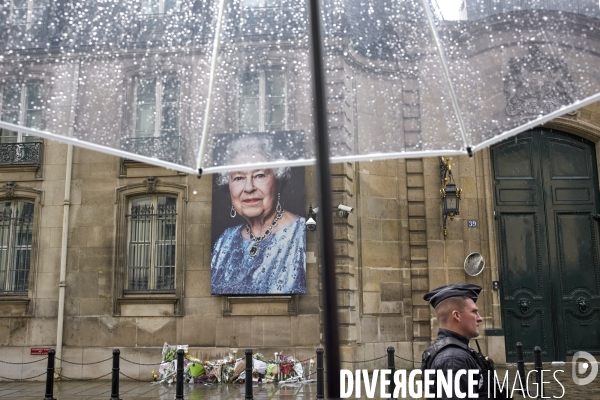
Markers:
(258, 228)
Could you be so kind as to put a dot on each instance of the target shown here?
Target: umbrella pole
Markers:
(329, 291)
(211, 85)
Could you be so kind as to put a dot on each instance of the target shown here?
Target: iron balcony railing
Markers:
(20, 154)
(166, 148)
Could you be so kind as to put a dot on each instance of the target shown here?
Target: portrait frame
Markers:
(292, 199)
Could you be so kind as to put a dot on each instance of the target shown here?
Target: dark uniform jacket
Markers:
(455, 358)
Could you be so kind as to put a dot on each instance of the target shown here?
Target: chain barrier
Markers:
(23, 379)
(133, 379)
(406, 359)
(144, 364)
(83, 379)
(23, 363)
(91, 363)
(527, 358)
(364, 361)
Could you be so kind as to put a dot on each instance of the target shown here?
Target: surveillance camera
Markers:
(344, 208)
(316, 210)
(311, 224)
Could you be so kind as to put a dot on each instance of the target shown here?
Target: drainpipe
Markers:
(62, 283)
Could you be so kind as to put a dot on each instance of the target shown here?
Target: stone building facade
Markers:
(390, 250)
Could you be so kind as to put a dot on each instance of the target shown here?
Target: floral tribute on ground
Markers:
(231, 369)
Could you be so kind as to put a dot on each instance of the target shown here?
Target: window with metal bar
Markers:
(262, 101)
(152, 243)
(16, 234)
(21, 105)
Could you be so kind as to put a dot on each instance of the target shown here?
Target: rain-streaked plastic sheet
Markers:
(515, 64)
(186, 84)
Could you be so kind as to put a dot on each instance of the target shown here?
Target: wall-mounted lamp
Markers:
(311, 221)
(449, 192)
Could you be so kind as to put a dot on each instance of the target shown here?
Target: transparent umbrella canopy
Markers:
(169, 82)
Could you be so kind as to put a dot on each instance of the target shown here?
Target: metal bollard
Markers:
(248, 380)
(521, 367)
(391, 367)
(538, 367)
(114, 395)
(320, 377)
(50, 376)
(179, 383)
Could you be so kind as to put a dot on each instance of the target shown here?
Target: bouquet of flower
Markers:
(227, 369)
(167, 371)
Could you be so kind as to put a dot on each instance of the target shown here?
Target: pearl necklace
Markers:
(257, 240)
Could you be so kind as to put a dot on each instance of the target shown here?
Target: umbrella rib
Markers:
(85, 144)
(438, 45)
(224, 168)
(334, 159)
(211, 83)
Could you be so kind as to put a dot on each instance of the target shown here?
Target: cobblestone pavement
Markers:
(88, 390)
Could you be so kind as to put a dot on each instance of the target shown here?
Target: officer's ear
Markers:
(455, 315)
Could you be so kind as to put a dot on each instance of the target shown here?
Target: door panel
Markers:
(521, 251)
(514, 159)
(546, 196)
(572, 195)
(531, 331)
(570, 185)
(516, 196)
(523, 269)
(568, 159)
(582, 333)
(576, 250)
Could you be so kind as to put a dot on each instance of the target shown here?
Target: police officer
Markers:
(458, 317)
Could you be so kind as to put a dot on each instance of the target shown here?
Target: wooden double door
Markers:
(547, 219)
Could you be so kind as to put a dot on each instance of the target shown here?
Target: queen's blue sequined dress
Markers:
(279, 266)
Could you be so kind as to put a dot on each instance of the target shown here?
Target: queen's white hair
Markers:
(256, 144)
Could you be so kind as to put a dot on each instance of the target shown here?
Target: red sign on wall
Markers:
(38, 351)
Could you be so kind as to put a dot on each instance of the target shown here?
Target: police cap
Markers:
(435, 296)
